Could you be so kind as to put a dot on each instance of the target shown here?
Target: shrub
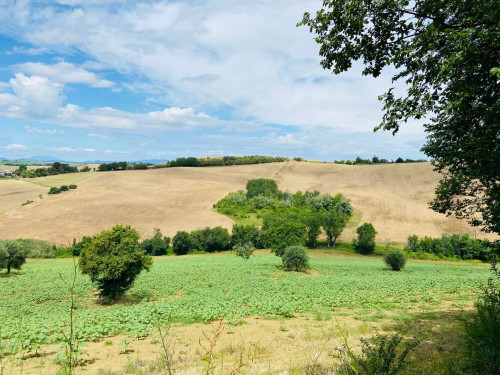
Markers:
(279, 232)
(238, 198)
(77, 247)
(262, 186)
(72, 186)
(182, 243)
(13, 254)
(244, 250)
(483, 332)
(244, 234)
(54, 190)
(262, 201)
(64, 187)
(113, 259)
(158, 245)
(295, 258)
(395, 259)
(383, 355)
(210, 239)
(365, 244)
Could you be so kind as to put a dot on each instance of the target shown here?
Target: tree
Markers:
(262, 186)
(12, 254)
(244, 234)
(365, 243)
(445, 52)
(113, 259)
(334, 222)
(244, 250)
(295, 259)
(182, 243)
(279, 232)
(158, 245)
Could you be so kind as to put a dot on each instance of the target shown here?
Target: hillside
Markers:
(394, 197)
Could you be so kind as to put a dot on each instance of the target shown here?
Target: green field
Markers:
(206, 287)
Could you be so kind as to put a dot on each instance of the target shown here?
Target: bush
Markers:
(158, 245)
(242, 234)
(262, 186)
(64, 188)
(483, 332)
(295, 258)
(77, 247)
(365, 244)
(210, 240)
(54, 190)
(182, 243)
(279, 232)
(113, 259)
(244, 251)
(13, 254)
(72, 186)
(395, 259)
(383, 355)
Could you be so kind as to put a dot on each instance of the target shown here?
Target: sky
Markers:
(136, 80)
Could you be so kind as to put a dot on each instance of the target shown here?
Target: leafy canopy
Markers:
(447, 53)
(13, 254)
(113, 259)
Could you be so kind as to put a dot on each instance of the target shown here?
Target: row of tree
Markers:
(54, 169)
(221, 161)
(377, 160)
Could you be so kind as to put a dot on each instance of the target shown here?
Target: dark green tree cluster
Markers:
(115, 166)
(59, 190)
(447, 54)
(157, 245)
(113, 259)
(13, 254)
(218, 162)
(54, 169)
(207, 240)
(459, 246)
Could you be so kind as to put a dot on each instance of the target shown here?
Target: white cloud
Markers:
(35, 130)
(89, 150)
(16, 146)
(63, 73)
(63, 149)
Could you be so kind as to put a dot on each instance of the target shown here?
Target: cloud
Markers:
(89, 150)
(63, 149)
(63, 73)
(16, 146)
(35, 130)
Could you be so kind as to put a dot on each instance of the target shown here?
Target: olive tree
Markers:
(113, 259)
(12, 254)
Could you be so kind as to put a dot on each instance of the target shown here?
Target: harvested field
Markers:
(394, 197)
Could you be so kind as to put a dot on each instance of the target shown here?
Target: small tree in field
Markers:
(365, 244)
(244, 251)
(113, 259)
(396, 260)
(295, 259)
(12, 254)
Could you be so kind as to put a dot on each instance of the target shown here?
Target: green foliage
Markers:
(243, 234)
(262, 186)
(157, 245)
(54, 190)
(141, 166)
(396, 260)
(385, 354)
(295, 259)
(216, 162)
(459, 246)
(113, 259)
(77, 247)
(365, 244)
(73, 186)
(443, 52)
(115, 166)
(244, 250)
(210, 239)
(26, 203)
(13, 254)
(64, 188)
(182, 243)
(85, 168)
(483, 332)
(281, 231)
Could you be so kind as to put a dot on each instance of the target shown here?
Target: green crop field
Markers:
(34, 302)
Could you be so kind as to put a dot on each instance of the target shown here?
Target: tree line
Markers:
(221, 161)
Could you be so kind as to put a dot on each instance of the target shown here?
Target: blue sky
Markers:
(128, 80)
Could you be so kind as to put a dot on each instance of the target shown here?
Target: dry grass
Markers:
(393, 197)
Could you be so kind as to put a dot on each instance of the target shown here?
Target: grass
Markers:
(207, 287)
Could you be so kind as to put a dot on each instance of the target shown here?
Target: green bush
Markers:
(482, 334)
(383, 355)
(54, 190)
(244, 234)
(262, 186)
(182, 243)
(281, 231)
(64, 188)
(365, 244)
(295, 258)
(72, 186)
(395, 259)
(158, 245)
(113, 259)
(244, 250)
